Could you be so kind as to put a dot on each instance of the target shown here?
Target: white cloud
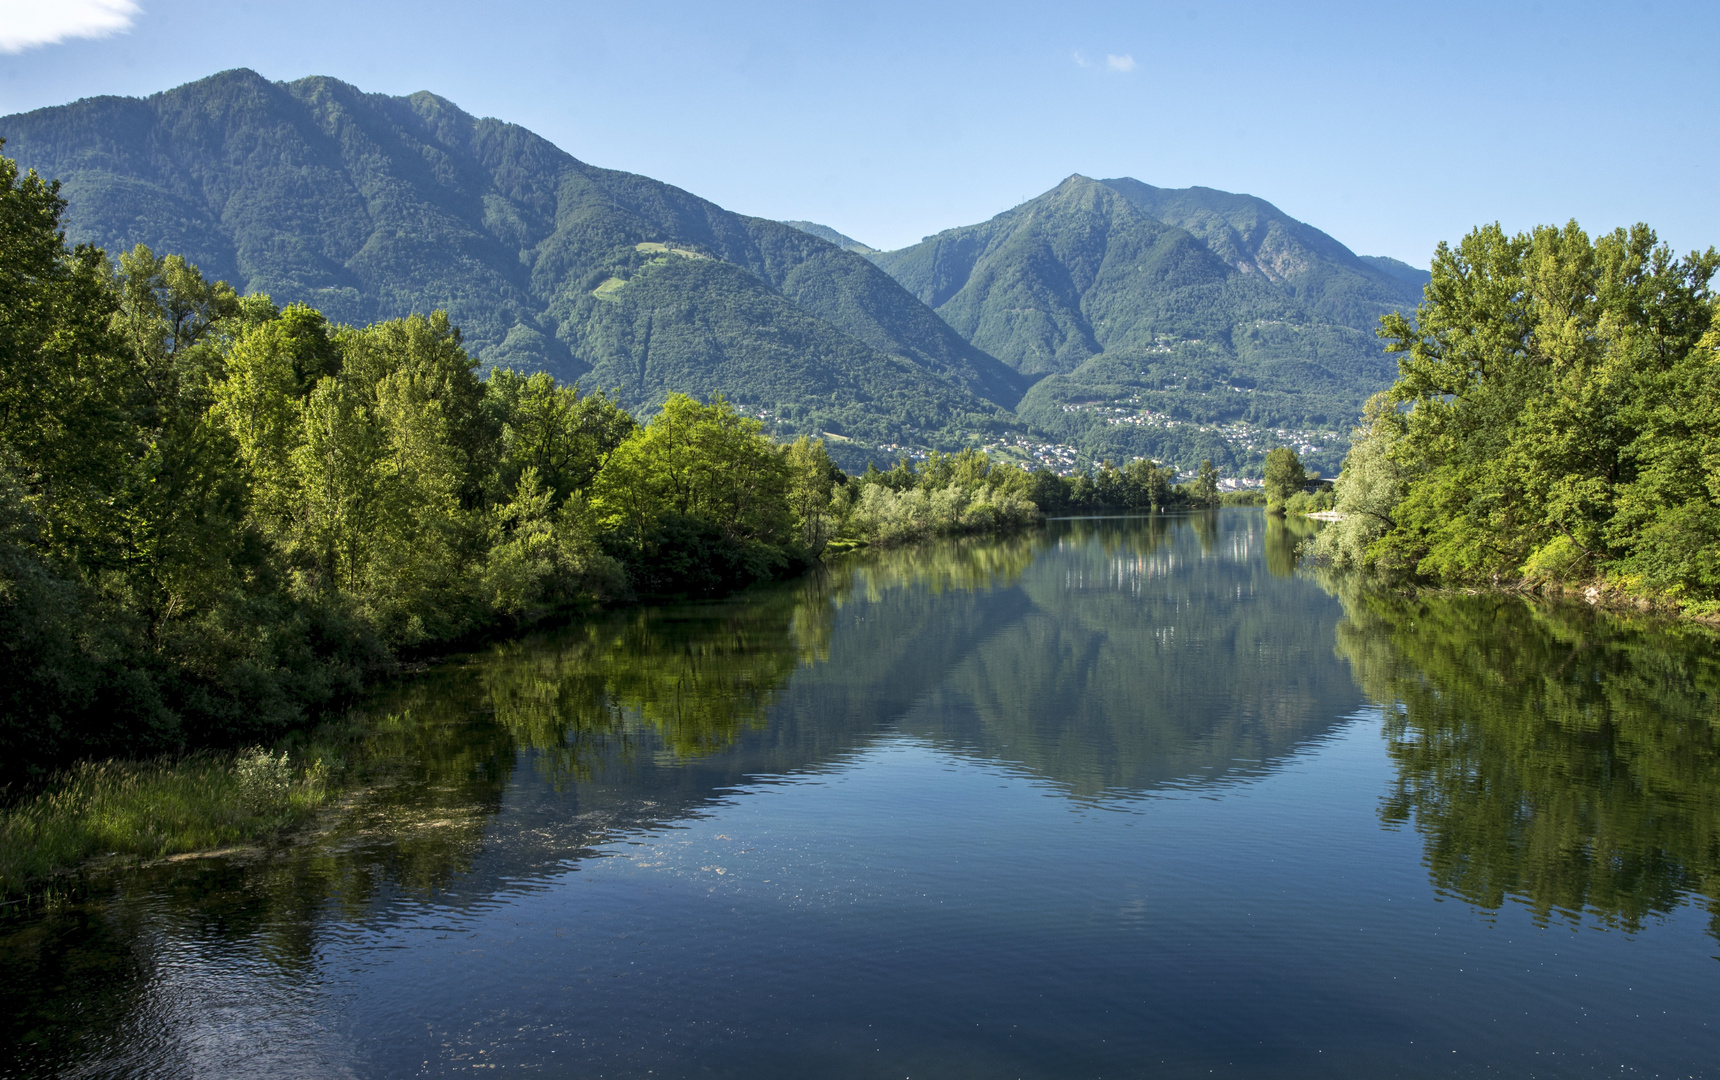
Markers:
(26, 24)
(1113, 61)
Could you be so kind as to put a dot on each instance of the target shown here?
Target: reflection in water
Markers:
(1283, 535)
(130, 981)
(1107, 656)
(911, 752)
(695, 678)
(1558, 756)
(1136, 661)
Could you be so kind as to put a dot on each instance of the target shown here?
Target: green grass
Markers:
(148, 810)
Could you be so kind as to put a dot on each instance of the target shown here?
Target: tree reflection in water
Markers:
(685, 681)
(1558, 756)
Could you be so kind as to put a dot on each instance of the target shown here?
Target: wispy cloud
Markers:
(1112, 61)
(27, 24)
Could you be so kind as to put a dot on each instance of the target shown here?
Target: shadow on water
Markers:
(1548, 754)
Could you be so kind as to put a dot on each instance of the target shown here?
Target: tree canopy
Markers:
(1556, 419)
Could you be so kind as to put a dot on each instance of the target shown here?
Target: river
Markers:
(1118, 798)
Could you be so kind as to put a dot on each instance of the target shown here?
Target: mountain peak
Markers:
(825, 232)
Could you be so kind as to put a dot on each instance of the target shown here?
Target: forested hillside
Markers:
(1177, 324)
(372, 207)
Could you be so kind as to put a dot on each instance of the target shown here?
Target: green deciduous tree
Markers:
(1560, 415)
(1284, 476)
(1205, 490)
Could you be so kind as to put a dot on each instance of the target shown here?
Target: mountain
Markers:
(825, 232)
(1178, 324)
(1396, 268)
(1332, 282)
(1110, 315)
(370, 207)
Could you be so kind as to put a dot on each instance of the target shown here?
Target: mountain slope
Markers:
(825, 232)
(1331, 281)
(370, 206)
(1175, 324)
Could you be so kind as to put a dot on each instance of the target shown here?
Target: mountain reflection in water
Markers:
(1564, 759)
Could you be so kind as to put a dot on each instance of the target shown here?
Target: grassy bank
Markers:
(137, 811)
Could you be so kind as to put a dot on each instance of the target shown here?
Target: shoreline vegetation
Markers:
(221, 520)
(1554, 430)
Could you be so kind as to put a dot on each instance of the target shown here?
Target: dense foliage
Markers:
(217, 515)
(1556, 420)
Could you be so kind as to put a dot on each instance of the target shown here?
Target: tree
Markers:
(1284, 477)
(1368, 490)
(812, 478)
(1559, 402)
(696, 500)
(563, 435)
(1206, 484)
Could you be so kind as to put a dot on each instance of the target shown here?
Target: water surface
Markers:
(1125, 797)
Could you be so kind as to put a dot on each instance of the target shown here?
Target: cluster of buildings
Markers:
(1255, 438)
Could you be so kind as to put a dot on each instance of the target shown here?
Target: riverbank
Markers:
(113, 814)
(120, 814)
(132, 812)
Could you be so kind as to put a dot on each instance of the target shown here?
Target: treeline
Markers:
(218, 515)
(1556, 421)
(1139, 486)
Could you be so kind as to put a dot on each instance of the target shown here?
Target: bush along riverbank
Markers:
(1555, 426)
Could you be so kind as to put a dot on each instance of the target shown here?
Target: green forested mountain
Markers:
(841, 240)
(371, 207)
(1333, 284)
(1176, 323)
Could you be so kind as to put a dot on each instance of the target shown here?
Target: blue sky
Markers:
(1389, 126)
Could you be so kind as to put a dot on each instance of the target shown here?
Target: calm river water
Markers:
(1122, 798)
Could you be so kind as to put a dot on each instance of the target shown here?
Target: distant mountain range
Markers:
(1111, 316)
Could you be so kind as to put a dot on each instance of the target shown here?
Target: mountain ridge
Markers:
(1171, 323)
(1112, 315)
(370, 206)
(841, 240)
